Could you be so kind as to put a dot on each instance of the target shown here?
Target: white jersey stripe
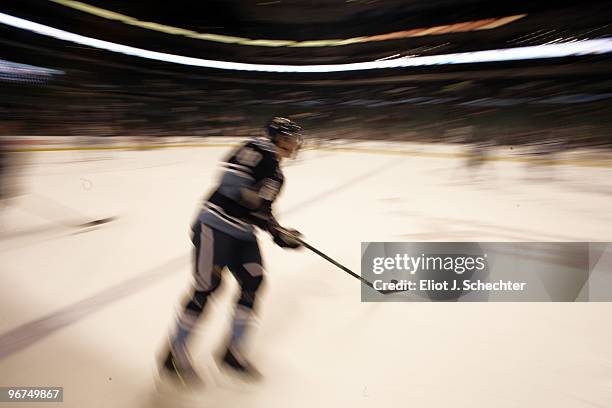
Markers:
(219, 213)
(238, 167)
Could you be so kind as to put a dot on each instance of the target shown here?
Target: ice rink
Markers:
(90, 309)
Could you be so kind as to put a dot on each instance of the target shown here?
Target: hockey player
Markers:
(224, 236)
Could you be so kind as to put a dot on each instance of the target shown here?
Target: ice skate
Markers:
(233, 363)
(180, 371)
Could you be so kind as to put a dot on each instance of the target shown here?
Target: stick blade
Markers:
(97, 222)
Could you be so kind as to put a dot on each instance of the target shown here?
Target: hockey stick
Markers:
(61, 214)
(344, 268)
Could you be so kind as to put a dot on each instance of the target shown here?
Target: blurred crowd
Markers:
(498, 110)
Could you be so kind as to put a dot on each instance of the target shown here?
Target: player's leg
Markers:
(249, 273)
(212, 252)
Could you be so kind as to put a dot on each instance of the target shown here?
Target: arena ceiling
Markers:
(428, 28)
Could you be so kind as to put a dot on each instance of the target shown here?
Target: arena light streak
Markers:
(485, 24)
(587, 47)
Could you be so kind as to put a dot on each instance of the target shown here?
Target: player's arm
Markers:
(264, 185)
(261, 195)
(283, 237)
(260, 199)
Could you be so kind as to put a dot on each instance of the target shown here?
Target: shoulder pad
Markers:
(263, 144)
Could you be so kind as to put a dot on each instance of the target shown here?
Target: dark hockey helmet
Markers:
(279, 129)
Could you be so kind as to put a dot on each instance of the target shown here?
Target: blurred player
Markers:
(224, 236)
(8, 178)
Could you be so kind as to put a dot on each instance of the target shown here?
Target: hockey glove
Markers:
(286, 238)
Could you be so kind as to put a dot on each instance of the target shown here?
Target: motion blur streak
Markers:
(485, 24)
(587, 47)
(12, 71)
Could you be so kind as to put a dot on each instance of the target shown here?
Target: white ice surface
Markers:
(317, 344)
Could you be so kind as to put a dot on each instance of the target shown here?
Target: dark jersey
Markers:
(251, 181)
